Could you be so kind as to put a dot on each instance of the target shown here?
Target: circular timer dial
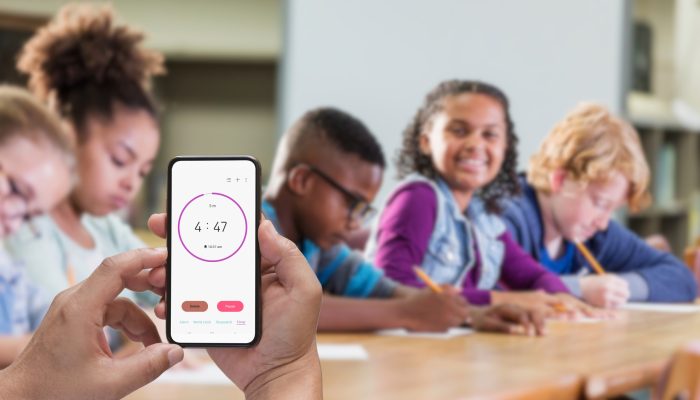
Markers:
(212, 227)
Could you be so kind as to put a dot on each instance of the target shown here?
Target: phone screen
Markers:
(214, 271)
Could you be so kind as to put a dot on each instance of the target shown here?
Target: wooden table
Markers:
(596, 359)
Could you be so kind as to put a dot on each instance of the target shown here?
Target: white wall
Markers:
(377, 59)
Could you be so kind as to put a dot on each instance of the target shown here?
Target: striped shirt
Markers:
(340, 270)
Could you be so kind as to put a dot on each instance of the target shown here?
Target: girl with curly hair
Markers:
(458, 160)
(96, 75)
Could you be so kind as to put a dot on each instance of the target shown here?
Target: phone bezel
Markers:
(258, 309)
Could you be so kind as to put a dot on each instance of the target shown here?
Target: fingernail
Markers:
(270, 226)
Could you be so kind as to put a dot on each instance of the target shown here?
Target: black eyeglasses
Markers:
(358, 207)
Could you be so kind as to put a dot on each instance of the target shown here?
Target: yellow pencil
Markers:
(560, 307)
(426, 279)
(591, 260)
(70, 275)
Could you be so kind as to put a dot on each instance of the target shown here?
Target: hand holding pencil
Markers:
(504, 318)
(602, 290)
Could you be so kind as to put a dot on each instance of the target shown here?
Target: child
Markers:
(35, 158)
(327, 170)
(457, 162)
(96, 75)
(591, 164)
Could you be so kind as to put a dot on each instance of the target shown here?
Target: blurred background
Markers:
(241, 71)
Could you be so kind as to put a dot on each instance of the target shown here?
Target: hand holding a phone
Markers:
(68, 356)
(286, 359)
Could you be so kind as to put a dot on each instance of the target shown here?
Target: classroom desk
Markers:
(595, 359)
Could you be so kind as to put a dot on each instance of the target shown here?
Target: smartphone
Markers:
(213, 267)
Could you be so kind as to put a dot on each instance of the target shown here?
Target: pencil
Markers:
(426, 279)
(560, 307)
(70, 275)
(589, 257)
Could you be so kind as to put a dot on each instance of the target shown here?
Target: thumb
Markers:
(145, 366)
(290, 264)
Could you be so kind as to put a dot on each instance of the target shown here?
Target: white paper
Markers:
(663, 307)
(579, 320)
(450, 333)
(210, 374)
(341, 352)
(207, 374)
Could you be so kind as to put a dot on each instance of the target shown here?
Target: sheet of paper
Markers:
(341, 352)
(207, 374)
(579, 320)
(450, 333)
(663, 307)
(210, 374)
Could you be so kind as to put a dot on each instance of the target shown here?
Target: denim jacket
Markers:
(450, 252)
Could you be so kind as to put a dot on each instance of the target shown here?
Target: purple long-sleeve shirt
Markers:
(404, 232)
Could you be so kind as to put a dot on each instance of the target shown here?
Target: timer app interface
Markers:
(212, 264)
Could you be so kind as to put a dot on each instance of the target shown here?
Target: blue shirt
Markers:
(22, 307)
(561, 265)
(652, 275)
(340, 270)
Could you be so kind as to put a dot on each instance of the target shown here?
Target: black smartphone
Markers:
(213, 270)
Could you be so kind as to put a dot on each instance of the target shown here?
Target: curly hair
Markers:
(590, 143)
(82, 63)
(410, 158)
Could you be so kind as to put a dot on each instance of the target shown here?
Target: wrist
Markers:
(498, 297)
(405, 314)
(300, 378)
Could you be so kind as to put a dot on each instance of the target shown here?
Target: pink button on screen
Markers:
(230, 306)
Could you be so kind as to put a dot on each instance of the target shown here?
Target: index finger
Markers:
(110, 278)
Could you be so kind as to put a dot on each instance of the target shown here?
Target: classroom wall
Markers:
(378, 59)
(213, 108)
(687, 52)
(659, 14)
(213, 29)
(219, 95)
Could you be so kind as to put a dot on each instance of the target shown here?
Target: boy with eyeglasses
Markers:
(327, 170)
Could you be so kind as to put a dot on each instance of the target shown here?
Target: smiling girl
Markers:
(458, 160)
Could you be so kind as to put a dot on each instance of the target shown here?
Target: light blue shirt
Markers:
(49, 257)
(22, 307)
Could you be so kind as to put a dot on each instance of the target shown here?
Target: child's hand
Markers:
(507, 318)
(606, 291)
(434, 312)
(575, 308)
(559, 305)
(537, 301)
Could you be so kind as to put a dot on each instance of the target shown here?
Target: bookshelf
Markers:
(672, 152)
